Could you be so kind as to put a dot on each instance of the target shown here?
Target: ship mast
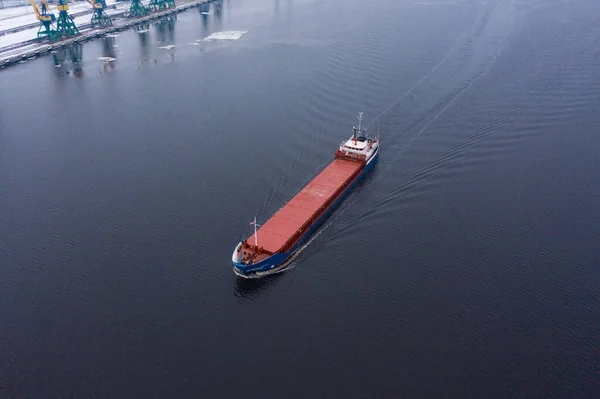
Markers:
(360, 114)
(360, 129)
(255, 232)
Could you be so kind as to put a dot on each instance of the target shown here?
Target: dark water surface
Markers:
(465, 265)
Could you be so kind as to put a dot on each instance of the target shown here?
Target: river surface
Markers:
(465, 265)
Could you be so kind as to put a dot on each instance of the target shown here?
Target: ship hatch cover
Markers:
(278, 230)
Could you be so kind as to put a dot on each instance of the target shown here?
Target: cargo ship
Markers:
(275, 242)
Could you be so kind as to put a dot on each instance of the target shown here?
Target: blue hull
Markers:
(279, 259)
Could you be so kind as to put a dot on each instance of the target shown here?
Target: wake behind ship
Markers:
(276, 241)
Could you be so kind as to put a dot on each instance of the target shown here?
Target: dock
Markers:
(33, 48)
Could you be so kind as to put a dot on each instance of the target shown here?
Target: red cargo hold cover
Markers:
(282, 226)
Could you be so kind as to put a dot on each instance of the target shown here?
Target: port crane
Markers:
(137, 9)
(100, 18)
(159, 5)
(65, 27)
(46, 18)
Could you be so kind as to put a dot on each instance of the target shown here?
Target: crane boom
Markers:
(46, 18)
(45, 14)
(35, 10)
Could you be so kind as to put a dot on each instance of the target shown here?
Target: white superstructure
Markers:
(359, 145)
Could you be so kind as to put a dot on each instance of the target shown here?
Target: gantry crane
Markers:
(159, 5)
(65, 27)
(137, 9)
(156, 5)
(46, 18)
(100, 18)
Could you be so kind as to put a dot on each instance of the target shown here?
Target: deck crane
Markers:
(46, 18)
(100, 18)
(65, 26)
(137, 9)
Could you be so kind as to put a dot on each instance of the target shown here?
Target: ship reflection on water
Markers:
(252, 288)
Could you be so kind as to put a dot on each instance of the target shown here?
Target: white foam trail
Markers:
(495, 56)
(418, 83)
